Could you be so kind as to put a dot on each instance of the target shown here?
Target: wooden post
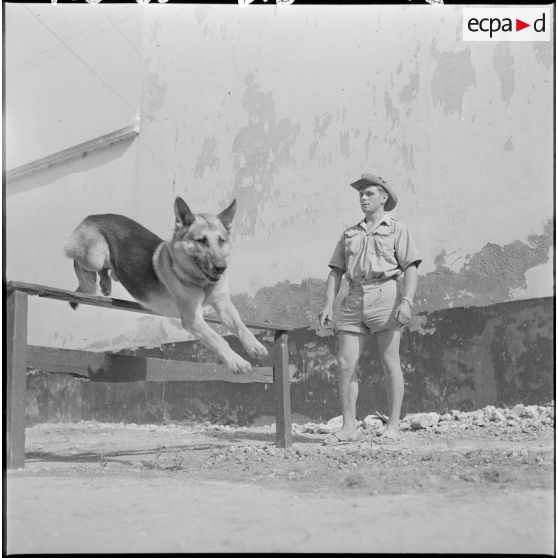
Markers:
(282, 386)
(16, 349)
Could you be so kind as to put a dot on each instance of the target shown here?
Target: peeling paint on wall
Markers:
(321, 125)
(391, 112)
(489, 276)
(154, 93)
(260, 149)
(502, 61)
(344, 144)
(544, 53)
(410, 91)
(208, 157)
(453, 75)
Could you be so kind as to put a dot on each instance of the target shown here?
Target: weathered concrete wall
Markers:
(282, 108)
(463, 358)
(310, 98)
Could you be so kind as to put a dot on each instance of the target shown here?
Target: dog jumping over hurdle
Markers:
(180, 277)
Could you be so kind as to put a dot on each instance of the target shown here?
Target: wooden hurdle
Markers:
(107, 367)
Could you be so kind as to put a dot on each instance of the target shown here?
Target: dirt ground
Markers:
(97, 487)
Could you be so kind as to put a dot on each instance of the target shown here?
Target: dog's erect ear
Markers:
(184, 217)
(227, 215)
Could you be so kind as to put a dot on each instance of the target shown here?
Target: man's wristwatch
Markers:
(409, 300)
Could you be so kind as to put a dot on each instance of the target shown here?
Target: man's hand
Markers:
(326, 316)
(403, 313)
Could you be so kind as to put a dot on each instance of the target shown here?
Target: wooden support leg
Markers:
(282, 386)
(16, 348)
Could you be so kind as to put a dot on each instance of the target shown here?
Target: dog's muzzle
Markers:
(214, 273)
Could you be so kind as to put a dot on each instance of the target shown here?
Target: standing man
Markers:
(379, 260)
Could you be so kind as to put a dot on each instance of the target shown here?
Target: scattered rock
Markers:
(518, 409)
(489, 412)
(530, 412)
(498, 415)
(424, 420)
(372, 422)
(334, 423)
(354, 480)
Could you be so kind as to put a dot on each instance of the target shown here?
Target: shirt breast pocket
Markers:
(352, 243)
(384, 244)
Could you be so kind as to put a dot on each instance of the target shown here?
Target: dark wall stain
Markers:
(260, 149)
(462, 358)
(502, 61)
(454, 74)
(544, 53)
(410, 90)
(488, 276)
(321, 124)
(208, 157)
(155, 92)
(391, 112)
(344, 144)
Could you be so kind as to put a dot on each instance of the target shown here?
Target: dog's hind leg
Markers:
(87, 281)
(105, 282)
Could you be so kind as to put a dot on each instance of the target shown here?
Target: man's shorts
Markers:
(370, 308)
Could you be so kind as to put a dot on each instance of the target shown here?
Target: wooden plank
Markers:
(116, 303)
(174, 370)
(65, 361)
(16, 389)
(283, 432)
(106, 367)
(72, 152)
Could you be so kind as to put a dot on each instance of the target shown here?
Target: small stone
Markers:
(335, 423)
(424, 420)
(354, 480)
(531, 412)
(498, 416)
(518, 409)
(371, 422)
(489, 411)
(322, 429)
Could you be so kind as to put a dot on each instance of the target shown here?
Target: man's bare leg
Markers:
(349, 351)
(388, 348)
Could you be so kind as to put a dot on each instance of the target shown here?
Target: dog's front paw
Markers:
(255, 349)
(238, 365)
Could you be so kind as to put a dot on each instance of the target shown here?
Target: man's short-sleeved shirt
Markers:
(386, 251)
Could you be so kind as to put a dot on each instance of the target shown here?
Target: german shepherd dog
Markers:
(180, 277)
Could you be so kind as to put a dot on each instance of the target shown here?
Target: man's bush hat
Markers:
(369, 179)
